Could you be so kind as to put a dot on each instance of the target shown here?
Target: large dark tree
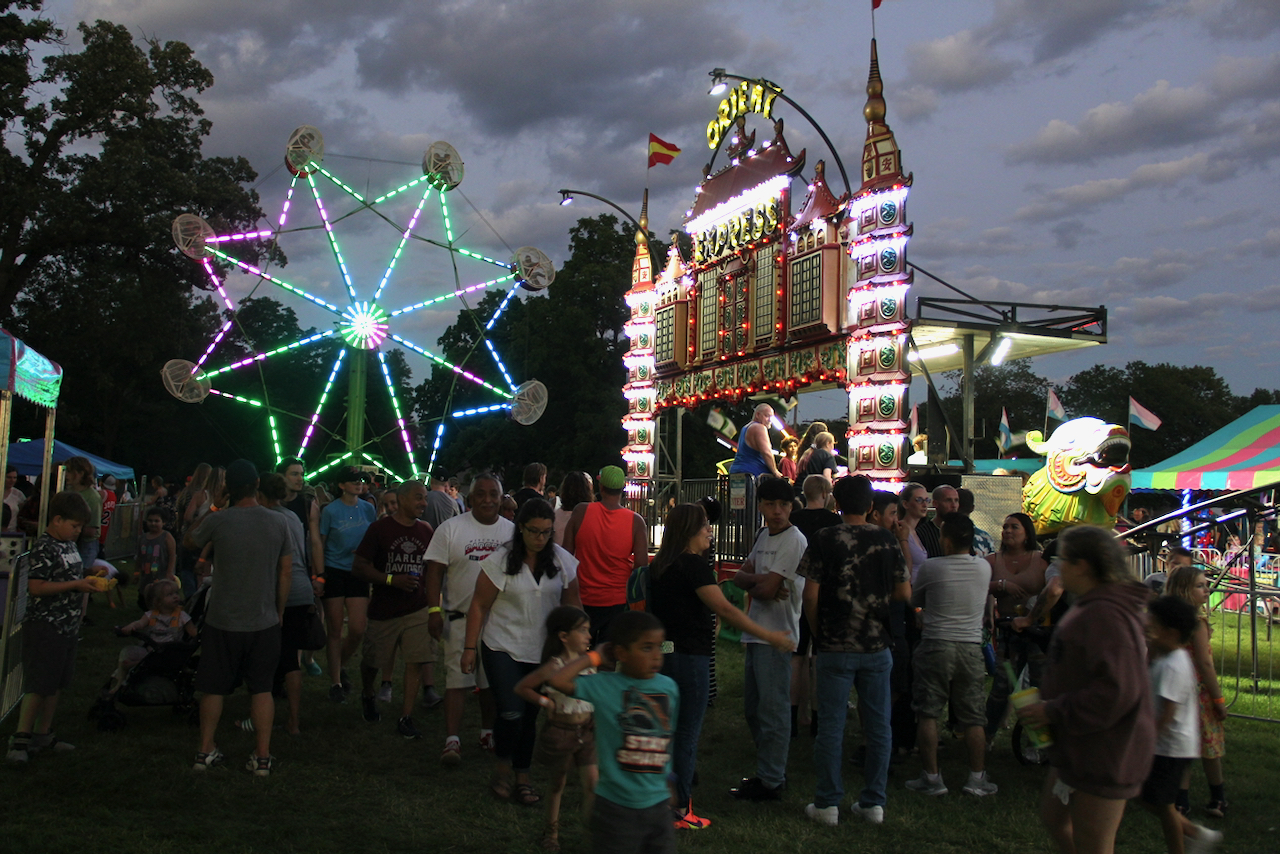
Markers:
(101, 150)
(1013, 387)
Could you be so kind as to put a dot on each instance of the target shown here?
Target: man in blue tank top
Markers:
(755, 452)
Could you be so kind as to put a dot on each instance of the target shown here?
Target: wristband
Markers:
(435, 609)
(472, 648)
(1221, 701)
(319, 578)
(595, 658)
(388, 579)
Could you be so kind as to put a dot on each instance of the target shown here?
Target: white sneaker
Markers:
(873, 814)
(980, 786)
(925, 786)
(384, 693)
(1204, 842)
(830, 816)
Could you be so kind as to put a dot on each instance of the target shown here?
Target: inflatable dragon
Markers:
(1085, 477)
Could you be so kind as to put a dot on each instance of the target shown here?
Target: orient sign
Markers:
(745, 98)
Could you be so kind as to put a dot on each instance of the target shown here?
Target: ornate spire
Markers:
(881, 159)
(874, 110)
(642, 234)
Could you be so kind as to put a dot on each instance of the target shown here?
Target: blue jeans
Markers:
(837, 673)
(766, 699)
(692, 675)
(515, 730)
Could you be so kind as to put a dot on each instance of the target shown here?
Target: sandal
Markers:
(524, 795)
(500, 789)
(551, 837)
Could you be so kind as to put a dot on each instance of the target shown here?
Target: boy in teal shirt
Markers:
(635, 713)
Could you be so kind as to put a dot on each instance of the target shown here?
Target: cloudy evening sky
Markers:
(1090, 152)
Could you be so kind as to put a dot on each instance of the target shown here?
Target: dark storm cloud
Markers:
(517, 65)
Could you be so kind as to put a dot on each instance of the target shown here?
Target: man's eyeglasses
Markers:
(541, 533)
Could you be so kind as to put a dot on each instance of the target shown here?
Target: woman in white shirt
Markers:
(518, 587)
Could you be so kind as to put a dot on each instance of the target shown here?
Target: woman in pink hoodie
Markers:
(1096, 697)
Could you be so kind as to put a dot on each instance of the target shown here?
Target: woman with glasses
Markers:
(518, 586)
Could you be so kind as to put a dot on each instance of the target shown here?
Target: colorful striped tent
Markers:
(1242, 455)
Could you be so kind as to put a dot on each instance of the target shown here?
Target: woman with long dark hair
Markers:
(519, 585)
(1017, 574)
(1096, 696)
(683, 594)
(575, 489)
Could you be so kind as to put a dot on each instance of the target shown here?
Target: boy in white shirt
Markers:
(1170, 622)
(769, 575)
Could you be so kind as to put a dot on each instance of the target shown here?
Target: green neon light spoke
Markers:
(386, 468)
(458, 293)
(333, 240)
(457, 370)
(415, 182)
(275, 438)
(444, 212)
(329, 464)
(395, 405)
(324, 395)
(249, 268)
(335, 179)
(479, 257)
(260, 357)
(237, 397)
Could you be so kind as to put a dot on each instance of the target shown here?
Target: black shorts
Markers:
(341, 584)
(229, 658)
(805, 644)
(48, 658)
(615, 828)
(293, 632)
(1162, 784)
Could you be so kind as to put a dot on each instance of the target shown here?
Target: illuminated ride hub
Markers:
(774, 302)
(363, 325)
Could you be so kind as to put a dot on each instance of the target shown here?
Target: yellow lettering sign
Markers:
(743, 99)
(735, 232)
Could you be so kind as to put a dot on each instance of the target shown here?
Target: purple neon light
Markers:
(458, 293)
(288, 199)
(404, 238)
(217, 283)
(259, 357)
(209, 350)
(457, 370)
(247, 235)
(243, 265)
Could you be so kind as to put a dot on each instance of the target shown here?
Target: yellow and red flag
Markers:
(661, 151)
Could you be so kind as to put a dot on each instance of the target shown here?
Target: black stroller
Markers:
(165, 677)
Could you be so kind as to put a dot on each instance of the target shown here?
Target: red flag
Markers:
(875, 4)
(661, 151)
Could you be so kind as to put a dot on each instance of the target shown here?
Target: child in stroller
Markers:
(158, 671)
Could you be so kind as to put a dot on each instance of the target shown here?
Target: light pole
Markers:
(720, 78)
(566, 197)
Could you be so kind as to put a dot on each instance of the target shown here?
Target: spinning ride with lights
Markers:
(364, 325)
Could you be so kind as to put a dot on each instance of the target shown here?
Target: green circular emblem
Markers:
(888, 212)
(885, 454)
(888, 259)
(888, 405)
(888, 307)
(888, 356)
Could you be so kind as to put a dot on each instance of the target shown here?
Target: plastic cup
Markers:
(1041, 737)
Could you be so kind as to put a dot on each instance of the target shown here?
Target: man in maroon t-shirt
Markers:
(392, 556)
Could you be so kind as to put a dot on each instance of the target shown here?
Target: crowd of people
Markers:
(540, 603)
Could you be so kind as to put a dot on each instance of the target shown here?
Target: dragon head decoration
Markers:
(1085, 477)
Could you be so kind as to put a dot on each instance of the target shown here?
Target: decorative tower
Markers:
(639, 359)
(877, 235)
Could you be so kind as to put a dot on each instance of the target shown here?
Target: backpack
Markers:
(638, 589)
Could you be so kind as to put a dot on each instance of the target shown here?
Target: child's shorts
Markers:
(557, 741)
(1165, 779)
(48, 658)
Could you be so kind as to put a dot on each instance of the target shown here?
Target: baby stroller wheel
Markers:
(1025, 749)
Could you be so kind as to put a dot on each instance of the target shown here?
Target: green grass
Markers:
(346, 785)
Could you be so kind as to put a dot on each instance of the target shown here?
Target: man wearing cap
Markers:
(609, 541)
(241, 637)
(342, 526)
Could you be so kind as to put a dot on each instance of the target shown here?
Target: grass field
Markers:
(346, 785)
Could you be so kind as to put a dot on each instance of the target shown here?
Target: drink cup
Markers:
(1040, 736)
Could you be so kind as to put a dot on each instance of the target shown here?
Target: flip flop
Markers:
(524, 795)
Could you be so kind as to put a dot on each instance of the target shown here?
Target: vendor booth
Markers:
(32, 377)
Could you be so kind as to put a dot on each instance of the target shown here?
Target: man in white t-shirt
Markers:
(453, 564)
(769, 575)
(948, 663)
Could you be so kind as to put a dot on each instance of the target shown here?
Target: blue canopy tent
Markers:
(28, 457)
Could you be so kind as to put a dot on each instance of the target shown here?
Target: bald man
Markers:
(755, 452)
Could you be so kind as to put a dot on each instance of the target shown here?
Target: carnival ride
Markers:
(364, 324)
